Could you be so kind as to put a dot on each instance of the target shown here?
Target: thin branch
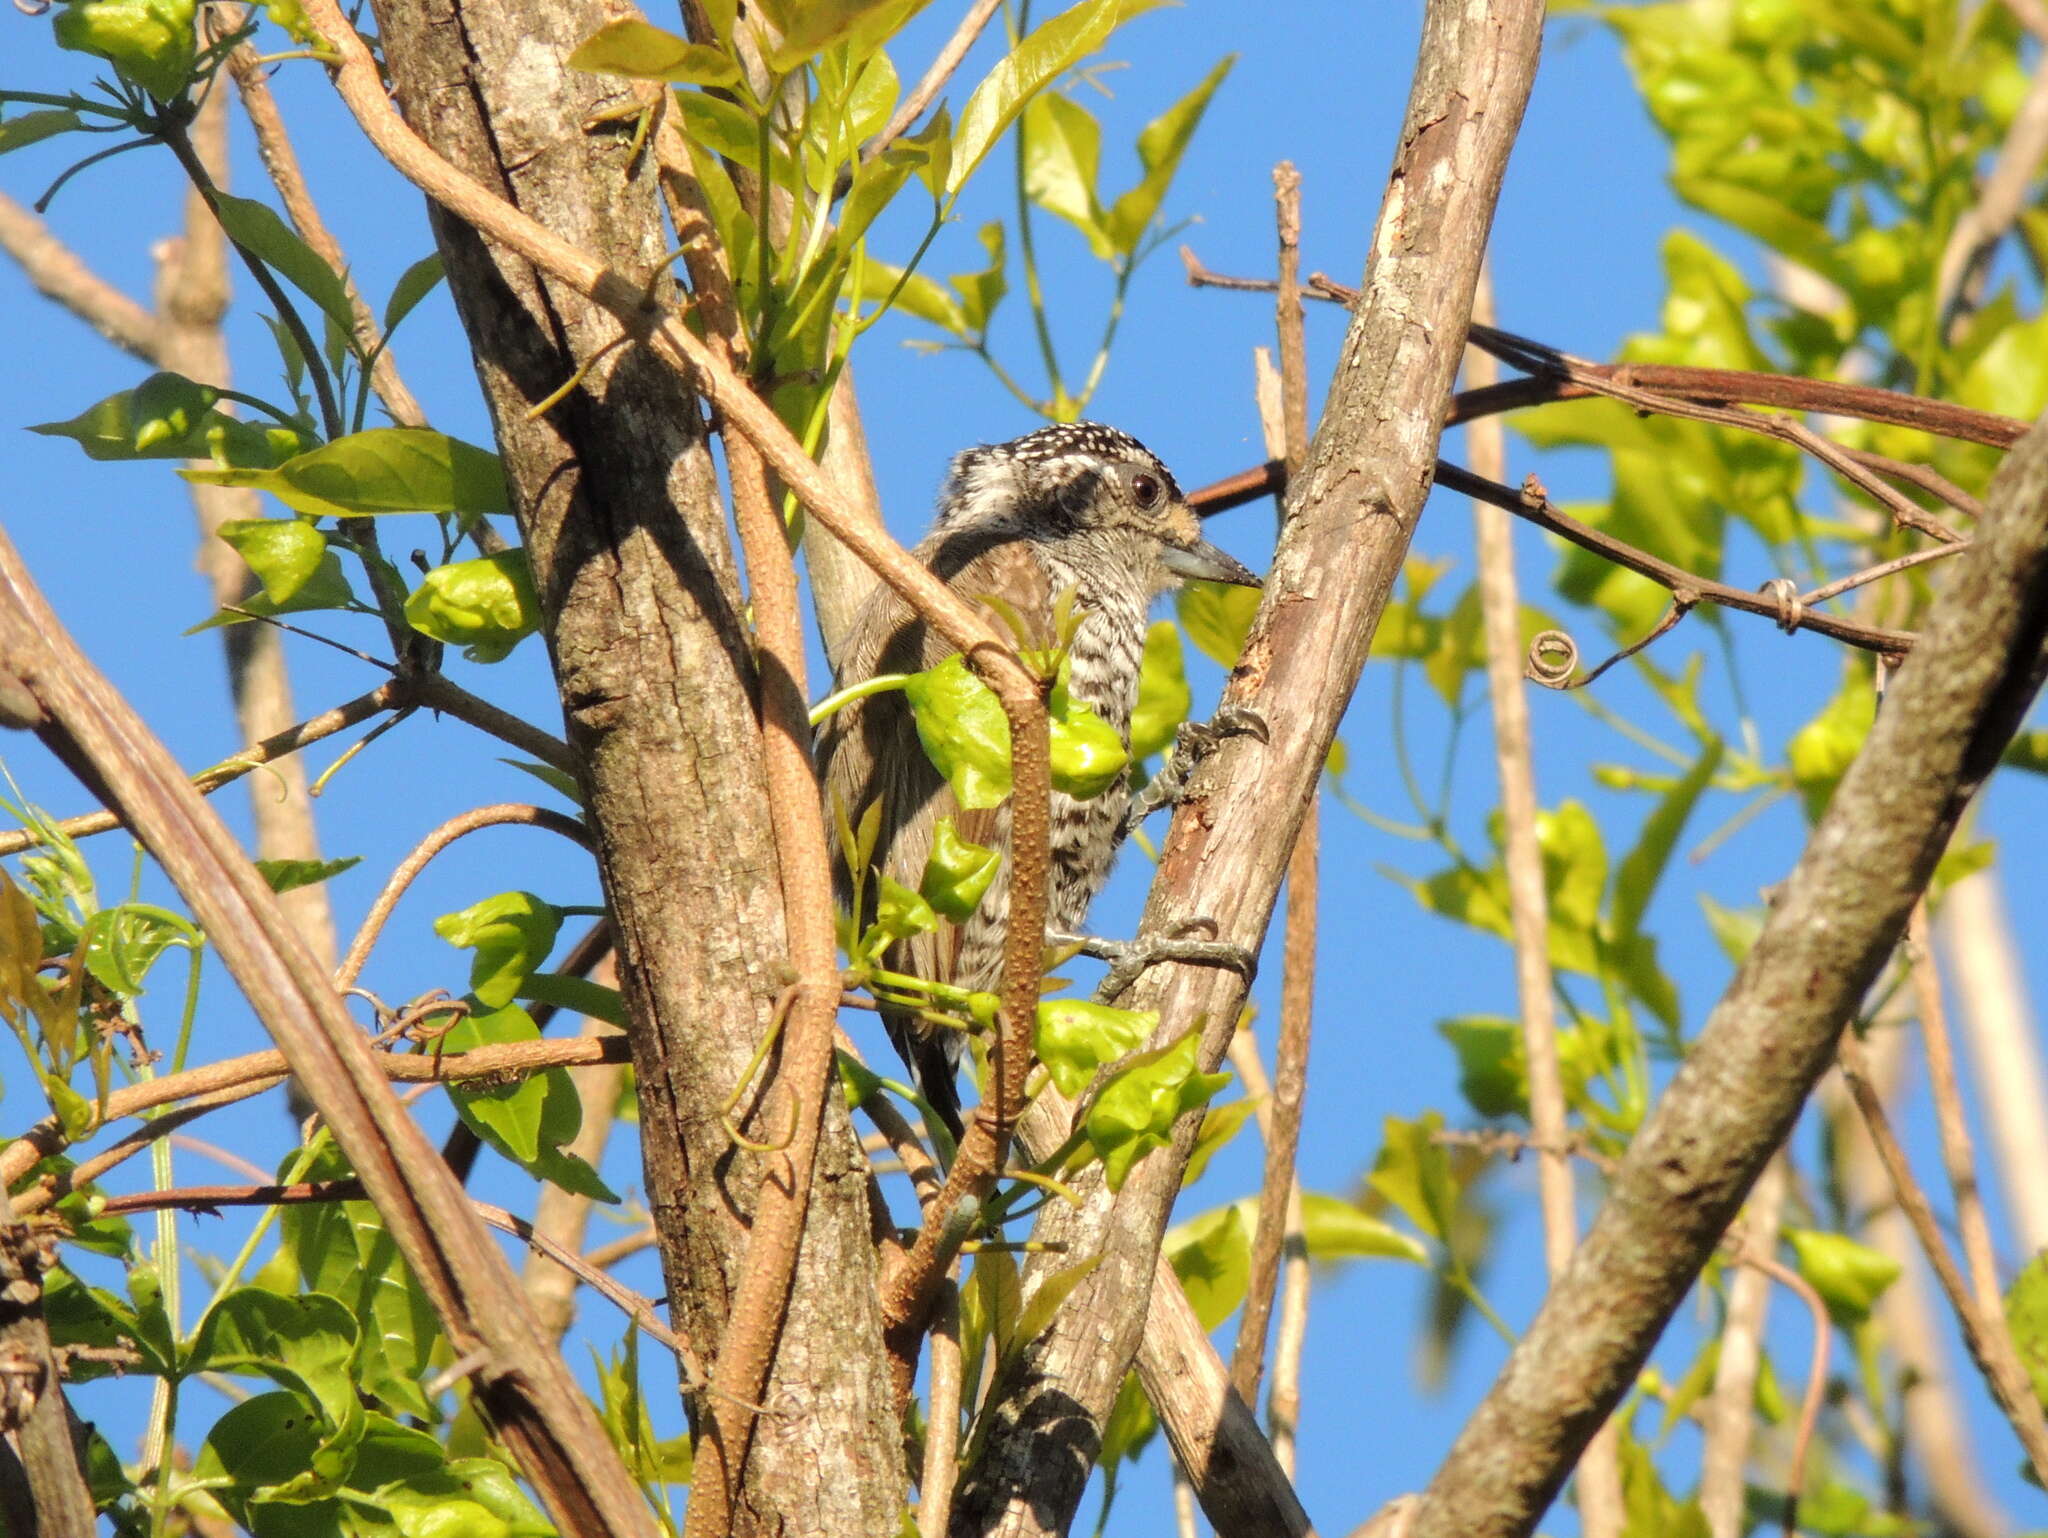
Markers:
(1976, 234)
(1957, 1154)
(1984, 1333)
(1816, 1374)
(237, 1078)
(934, 79)
(942, 1420)
(1730, 1412)
(209, 1199)
(281, 160)
(59, 273)
(1948, 716)
(438, 692)
(503, 813)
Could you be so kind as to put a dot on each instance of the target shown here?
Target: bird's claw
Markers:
(1128, 958)
(1193, 741)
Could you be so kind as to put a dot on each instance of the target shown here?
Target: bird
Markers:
(1078, 508)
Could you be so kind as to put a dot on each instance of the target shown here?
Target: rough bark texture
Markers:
(619, 504)
(1946, 719)
(1352, 517)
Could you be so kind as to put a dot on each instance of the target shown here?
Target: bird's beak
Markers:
(1205, 561)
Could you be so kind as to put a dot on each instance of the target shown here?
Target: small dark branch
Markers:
(1816, 1374)
(1533, 504)
(1266, 480)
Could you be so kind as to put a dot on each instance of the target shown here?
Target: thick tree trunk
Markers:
(618, 500)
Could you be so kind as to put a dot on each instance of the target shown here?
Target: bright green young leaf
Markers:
(530, 1122)
(964, 732)
(486, 606)
(117, 429)
(1163, 697)
(1087, 754)
(806, 27)
(1049, 52)
(1160, 147)
(1413, 1173)
(980, 292)
(579, 995)
(150, 43)
(284, 553)
(1335, 1229)
(28, 128)
(643, 51)
(1062, 154)
(916, 295)
(1493, 1069)
(344, 1250)
(305, 1343)
(1136, 1111)
(899, 914)
(957, 873)
(511, 934)
(2026, 1313)
(413, 285)
(1635, 882)
(469, 1498)
(380, 470)
(1220, 1123)
(121, 944)
(1822, 750)
(1217, 616)
(289, 875)
(1045, 1301)
(1850, 1277)
(1130, 1426)
(991, 1300)
(1074, 1037)
(1212, 1256)
(1734, 929)
(325, 588)
(257, 228)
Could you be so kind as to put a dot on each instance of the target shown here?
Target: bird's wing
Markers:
(869, 750)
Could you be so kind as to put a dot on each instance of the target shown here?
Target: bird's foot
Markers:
(1128, 958)
(1193, 741)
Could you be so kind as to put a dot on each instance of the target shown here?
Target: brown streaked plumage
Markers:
(1075, 506)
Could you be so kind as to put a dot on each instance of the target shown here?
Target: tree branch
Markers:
(1947, 717)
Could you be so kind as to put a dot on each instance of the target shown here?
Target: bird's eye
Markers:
(1147, 490)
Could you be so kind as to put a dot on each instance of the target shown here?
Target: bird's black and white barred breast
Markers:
(1020, 522)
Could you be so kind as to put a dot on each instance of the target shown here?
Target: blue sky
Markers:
(1575, 258)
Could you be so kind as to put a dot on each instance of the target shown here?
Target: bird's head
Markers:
(1094, 490)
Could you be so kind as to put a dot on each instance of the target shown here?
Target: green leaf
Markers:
(1045, 1301)
(1217, 616)
(1413, 1173)
(284, 553)
(326, 588)
(121, 944)
(344, 1250)
(34, 127)
(980, 292)
(1136, 1110)
(487, 605)
(562, 784)
(578, 995)
(380, 470)
(306, 1344)
(1130, 1426)
(1850, 1277)
(1212, 1256)
(530, 1122)
(1160, 147)
(257, 228)
(149, 42)
(1822, 750)
(1074, 1038)
(932, 149)
(1062, 154)
(1050, 50)
(1493, 1068)
(643, 51)
(289, 875)
(1335, 1229)
(1734, 929)
(1220, 1123)
(1163, 697)
(132, 425)
(511, 934)
(1087, 754)
(918, 295)
(899, 914)
(2026, 1313)
(806, 27)
(1635, 882)
(964, 732)
(413, 285)
(957, 873)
